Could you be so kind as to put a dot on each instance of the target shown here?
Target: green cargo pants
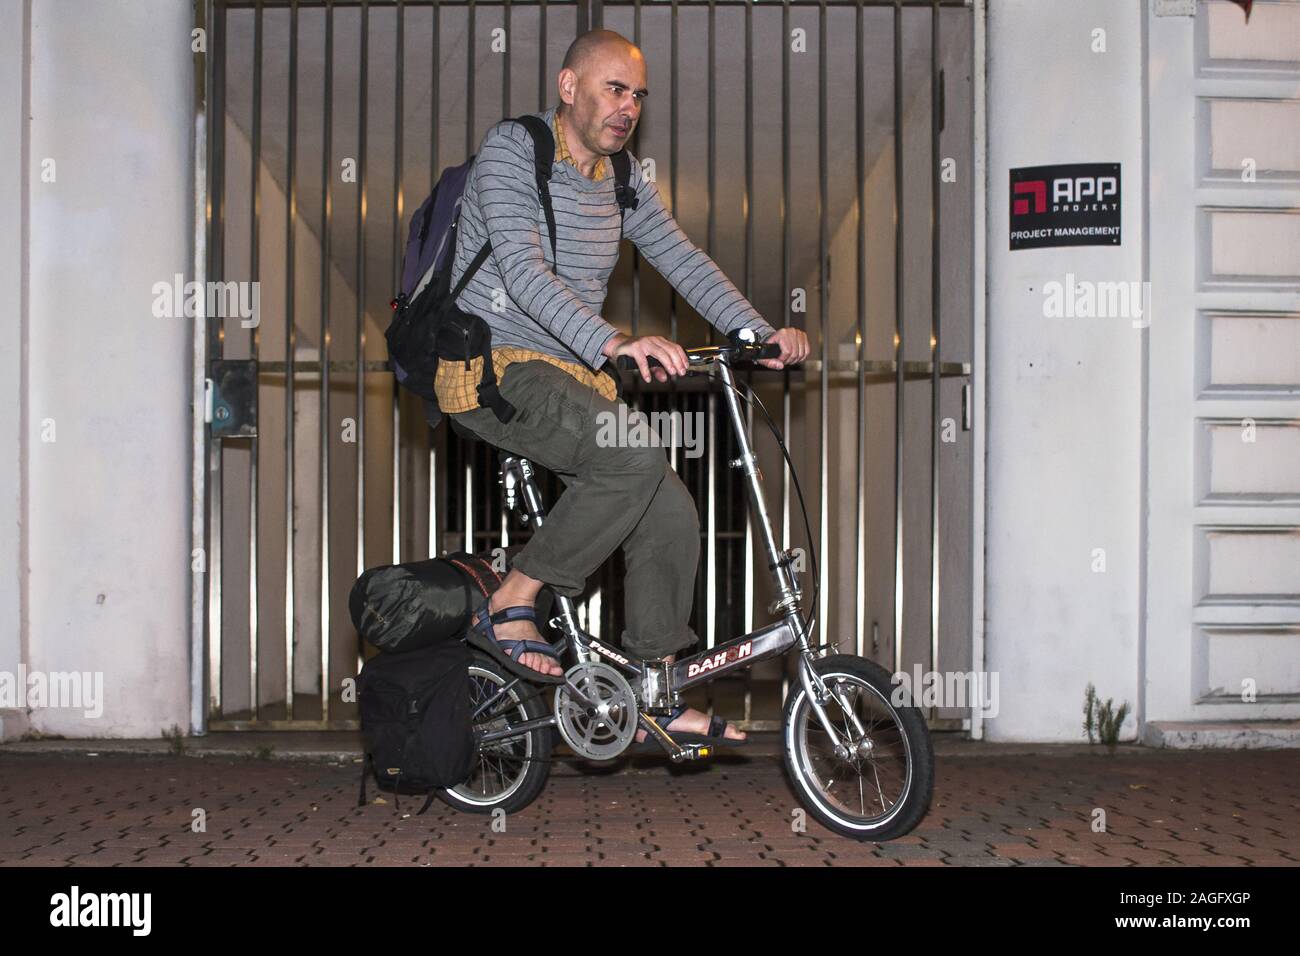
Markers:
(614, 496)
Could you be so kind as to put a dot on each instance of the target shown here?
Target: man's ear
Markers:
(566, 82)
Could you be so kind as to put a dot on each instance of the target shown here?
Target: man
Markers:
(549, 343)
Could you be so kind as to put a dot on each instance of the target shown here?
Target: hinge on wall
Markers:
(232, 398)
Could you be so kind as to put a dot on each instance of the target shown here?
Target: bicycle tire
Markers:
(909, 725)
(531, 752)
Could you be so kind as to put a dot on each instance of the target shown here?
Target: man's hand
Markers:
(671, 355)
(794, 347)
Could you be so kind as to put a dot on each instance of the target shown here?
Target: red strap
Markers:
(470, 570)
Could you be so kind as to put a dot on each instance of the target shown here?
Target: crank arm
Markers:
(651, 726)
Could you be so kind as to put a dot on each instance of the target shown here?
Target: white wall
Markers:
(108, 516)
(1064, 412)
(13, 65)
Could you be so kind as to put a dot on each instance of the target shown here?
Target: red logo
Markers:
(1036, 188)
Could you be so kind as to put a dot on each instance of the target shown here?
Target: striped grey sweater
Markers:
(558, 313)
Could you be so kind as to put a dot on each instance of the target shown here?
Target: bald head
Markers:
(601, 86)
(591, 48)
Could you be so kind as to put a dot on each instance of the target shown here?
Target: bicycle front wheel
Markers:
(875, 787)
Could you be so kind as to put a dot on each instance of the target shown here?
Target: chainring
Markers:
(599, 720)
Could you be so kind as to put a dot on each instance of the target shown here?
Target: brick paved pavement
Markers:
(1162, 807)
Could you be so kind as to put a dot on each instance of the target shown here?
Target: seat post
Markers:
(517, 478)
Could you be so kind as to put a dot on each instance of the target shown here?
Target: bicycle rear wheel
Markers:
(507, 774)
(878, 788)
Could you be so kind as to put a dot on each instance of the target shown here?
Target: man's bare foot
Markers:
(694, 721)
(521, 631)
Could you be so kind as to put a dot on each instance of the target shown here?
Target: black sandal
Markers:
(716, 734)
(506, 651)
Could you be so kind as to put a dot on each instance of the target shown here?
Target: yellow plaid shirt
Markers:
(457, 386)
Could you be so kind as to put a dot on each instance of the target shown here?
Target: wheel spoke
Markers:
(500, 765)
(829, 773)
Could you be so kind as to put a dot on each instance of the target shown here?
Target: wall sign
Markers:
(1076, 204)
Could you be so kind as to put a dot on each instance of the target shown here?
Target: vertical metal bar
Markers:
(711, 228)
(711, 537)
(936, 92)
(672, 173)
(205, 119)
(543, 91)
(785, 255)
(979, 346)
(711, 541)
(785, 282)
(785, 501)
(747, 212)
(469, 505)
(327, 182)
(398, 197)
(860, 459)
(216, 348)
(363, 83)
(636, 253)
(470, 46)
(505, 111)
(898, 336)
(435, 70)
(583, 23)
(290, 345)
(824, 307)
(256, 335)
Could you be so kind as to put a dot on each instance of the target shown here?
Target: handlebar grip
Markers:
(625, 363)
(770, 351)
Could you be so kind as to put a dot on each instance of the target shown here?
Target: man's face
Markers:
(606, 98)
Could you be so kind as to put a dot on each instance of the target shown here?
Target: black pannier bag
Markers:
(415, 720)
(414, 697)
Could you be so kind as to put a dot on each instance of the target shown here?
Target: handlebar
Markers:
(709, 353)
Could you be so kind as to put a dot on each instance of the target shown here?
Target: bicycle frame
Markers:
(657, 683)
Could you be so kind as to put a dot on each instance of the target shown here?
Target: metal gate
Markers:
(786, 137)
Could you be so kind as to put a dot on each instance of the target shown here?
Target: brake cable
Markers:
(751, 398)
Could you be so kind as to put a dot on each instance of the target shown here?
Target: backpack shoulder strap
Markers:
(445, 292)
(543, 158)
(623, 191)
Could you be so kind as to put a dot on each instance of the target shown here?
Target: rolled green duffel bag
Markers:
(405, 607)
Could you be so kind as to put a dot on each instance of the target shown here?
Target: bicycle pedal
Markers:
(693, 752)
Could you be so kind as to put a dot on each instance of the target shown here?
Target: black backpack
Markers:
(429, 326)
(415, 720)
